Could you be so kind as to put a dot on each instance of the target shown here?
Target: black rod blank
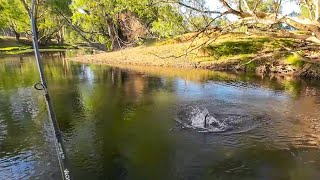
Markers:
(63, 161)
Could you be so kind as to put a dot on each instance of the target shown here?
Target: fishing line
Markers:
(58, 140)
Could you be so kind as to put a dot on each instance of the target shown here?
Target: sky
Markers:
(288, 7)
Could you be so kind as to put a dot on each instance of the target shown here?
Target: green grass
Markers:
(287, 42)
(294, 60)
(9, 46)
(19, 48)
(251, 66)
(28, 51)
(231, 48)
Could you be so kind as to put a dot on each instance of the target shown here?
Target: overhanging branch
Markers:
(198, 10)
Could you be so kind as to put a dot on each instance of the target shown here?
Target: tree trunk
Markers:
(4, 32)
(17, 35)
(61, 36)
(113, 33)
(316, 9)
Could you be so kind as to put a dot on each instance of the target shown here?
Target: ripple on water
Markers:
(3, 129)
(18, 166)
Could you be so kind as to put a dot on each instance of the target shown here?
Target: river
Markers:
(132, 123)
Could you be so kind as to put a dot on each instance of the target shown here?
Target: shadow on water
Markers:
(120, 122)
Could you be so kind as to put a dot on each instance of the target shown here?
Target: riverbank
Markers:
(258, 53)
(9, 46)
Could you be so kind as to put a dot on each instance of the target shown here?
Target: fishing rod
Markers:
(61, 152)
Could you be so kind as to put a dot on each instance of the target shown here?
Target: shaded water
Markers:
(141, 123)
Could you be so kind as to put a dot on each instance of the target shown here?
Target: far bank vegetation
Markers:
(225, 30)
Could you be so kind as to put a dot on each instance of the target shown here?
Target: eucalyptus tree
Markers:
(268, 13)
(50, 25)
(13, 17)
(115, 22)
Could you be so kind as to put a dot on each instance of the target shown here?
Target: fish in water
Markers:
(205, 121)
(200, 119)
(211, 121)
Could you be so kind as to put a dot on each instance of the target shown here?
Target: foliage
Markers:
(49, 25)
(62, 5)
(100, 17)
(199, 22)
(164, 28)
(251, 66)
(221, 22)
(121, 23)
(264, 6)
(13, 16)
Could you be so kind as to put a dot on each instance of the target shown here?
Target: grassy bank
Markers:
(9, 46)
(235, 51)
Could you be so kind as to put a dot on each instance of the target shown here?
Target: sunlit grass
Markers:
(24, 51)
(9, 46)
(227, 47)
(14, 48)
(184, 51)
(294, 60)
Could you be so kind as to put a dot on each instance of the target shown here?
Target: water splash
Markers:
(200, 120)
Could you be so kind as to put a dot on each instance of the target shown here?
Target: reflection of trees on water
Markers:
(101, 113)
(128, 121)
(22, 117)
(114, 119)
(294, 86)
(18, 105)
(26, 66)
(21, 71)
(15, 74)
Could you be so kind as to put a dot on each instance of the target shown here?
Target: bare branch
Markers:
(199, 10)
(239, 6)
(230, 9)
(256, 6)
(277, 10)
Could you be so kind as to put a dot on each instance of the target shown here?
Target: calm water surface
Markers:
(121, 123)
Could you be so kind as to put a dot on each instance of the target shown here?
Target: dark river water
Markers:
(140, 123)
